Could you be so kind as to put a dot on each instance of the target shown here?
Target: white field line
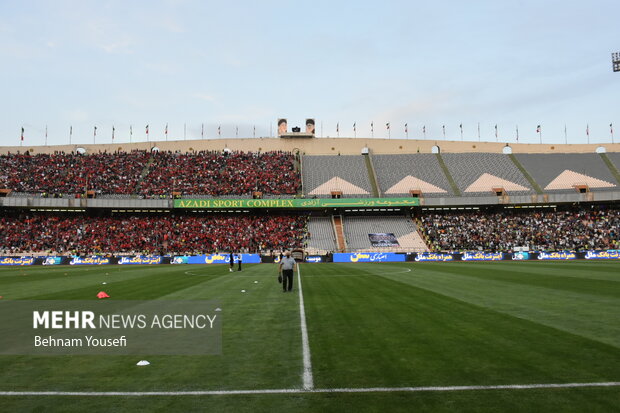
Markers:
(300, 391)
(308, 380)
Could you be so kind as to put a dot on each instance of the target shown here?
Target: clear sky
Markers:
(83, 63)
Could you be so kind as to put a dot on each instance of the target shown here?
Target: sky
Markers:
(239, 65)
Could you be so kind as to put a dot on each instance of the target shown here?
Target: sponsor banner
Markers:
(383, 240)
(216, 259)
(296, 203)
(434, 256)
(603, 255)
(369, 257)
(110, 327)
(140, 259)
(314, 258)
(557, 255)
(94, 260)
(52, 261)
(482, 256)
(520, 256)
(16, 260)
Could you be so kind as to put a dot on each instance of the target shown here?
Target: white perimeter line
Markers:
(307, 375)
(299, 391)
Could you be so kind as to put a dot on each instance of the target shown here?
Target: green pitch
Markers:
(369, 325)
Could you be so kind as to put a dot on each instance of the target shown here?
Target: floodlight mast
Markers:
(615, 60)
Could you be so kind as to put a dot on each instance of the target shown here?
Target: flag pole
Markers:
(565, 135)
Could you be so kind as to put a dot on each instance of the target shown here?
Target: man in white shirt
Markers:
(287, 268)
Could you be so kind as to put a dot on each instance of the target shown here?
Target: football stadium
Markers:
(306, 266)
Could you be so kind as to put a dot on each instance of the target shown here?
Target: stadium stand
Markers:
(538, 230)
(217, 174)
(357, 229)
(563, 172)
(57, 233)
(208, 173)
(320, 236)
(324, 174)
(477, 174)
(72, 173)
(398, 174)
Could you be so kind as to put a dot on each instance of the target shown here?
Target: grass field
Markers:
(369, 326)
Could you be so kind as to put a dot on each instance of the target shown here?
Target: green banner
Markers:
(296, 203)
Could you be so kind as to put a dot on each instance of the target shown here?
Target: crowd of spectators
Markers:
(141, 234)
(73, 173)
(221, 174)
(538, 230)
(196, 173)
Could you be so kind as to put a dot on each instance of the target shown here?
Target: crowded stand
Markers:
(72, 173)
(220, 174)
(508, 229)
(205, 173)
(177, 234)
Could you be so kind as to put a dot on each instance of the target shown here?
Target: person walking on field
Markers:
(231, 258)
(287, 267)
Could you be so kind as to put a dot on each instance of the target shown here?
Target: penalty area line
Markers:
(299, 391)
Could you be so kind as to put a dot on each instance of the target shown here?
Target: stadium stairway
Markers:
(612, 168)
(444, 168)
(372, 176)
(339, 230)
(526, 174)
(144, 173)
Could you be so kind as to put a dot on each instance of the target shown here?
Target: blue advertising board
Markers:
(369, 257)
(603, 255)
(482, 256)
(16, 260)
(140, 259)
(94, 260)
(557, 255)
(215, 259)
(434, 256)
(52, 261)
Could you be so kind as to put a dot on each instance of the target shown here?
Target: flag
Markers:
(202, 131)
(387, 125)
(95, 131)
(538, 129)
(70, 130)
(338, 127)
(166, 131)
(496, 131)
(113, 130)
(130, 131)
(147, 130)
(611, 128)
(406, 131)
(424, 129)
(219, 130)
(372, 126)
(461, 126)
(587, 130)
(22, 134)
(354, 127)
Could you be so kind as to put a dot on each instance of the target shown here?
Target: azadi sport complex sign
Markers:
(296, 203)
